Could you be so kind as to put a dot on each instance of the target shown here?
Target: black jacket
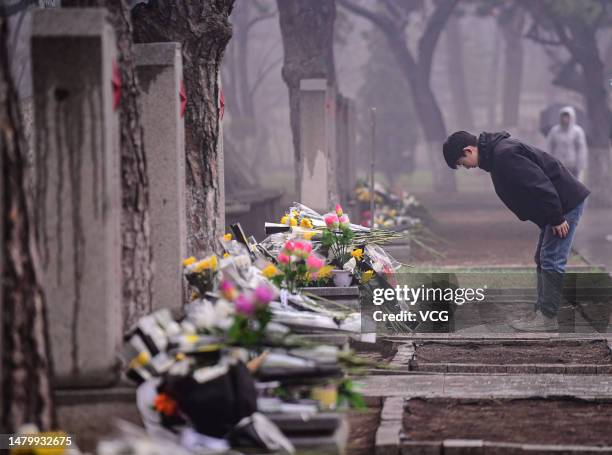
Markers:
(533, 184)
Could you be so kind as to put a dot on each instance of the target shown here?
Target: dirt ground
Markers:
(363, 425)
(478, 230)
(532, 420)
(501, 353)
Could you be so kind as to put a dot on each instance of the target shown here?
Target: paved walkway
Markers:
(479, 231)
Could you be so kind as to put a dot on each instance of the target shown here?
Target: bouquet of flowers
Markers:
(252, 313)
(201, 274)
(297, 266)
(338, 237)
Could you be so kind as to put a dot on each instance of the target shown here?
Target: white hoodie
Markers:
(568, 145)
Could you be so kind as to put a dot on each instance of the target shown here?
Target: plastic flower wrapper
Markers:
(350, 265)
(241, 271)
(381, 261)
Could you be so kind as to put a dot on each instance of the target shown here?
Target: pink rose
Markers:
(339, 210)
(244, 305)
(264, 294)
(314, 262)
(344, 221)
(331, 220)
(289, 246)
(302, 248)
(283, 258)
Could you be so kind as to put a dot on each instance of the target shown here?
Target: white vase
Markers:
(342, 278)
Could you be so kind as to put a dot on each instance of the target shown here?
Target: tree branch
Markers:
(395, 37)
(568, 78)
(382, 22)
(533, 35)
(435, 24)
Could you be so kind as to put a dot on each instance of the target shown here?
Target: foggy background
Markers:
(499, 65)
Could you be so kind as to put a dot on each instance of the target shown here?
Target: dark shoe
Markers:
(540, 323)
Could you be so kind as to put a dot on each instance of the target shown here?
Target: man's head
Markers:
(565, 119)
(461, 149)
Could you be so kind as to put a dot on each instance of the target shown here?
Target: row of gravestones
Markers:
(76, 92)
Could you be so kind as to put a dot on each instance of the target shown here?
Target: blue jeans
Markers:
(551, 257)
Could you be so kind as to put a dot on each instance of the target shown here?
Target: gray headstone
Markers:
(317, 163)
(345, 148)
(159, 69)
(78, 203)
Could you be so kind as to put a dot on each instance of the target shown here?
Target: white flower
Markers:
(350, 265)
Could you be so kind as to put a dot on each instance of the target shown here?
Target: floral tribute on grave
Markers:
(232, 371)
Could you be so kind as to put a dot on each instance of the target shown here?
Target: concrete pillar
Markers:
(317, 163)
(78, 201)
(345, 149)
(351, 145)
(160, 72)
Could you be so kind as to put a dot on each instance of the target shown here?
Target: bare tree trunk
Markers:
(417, 71)
(456, 75)
(26, 361)
(307, 29)
(493, 84)
(513, 64)
(578, 36)
(136, 256)
(203, 29)
(598, 112)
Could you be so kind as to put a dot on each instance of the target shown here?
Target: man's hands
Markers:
(561, 230)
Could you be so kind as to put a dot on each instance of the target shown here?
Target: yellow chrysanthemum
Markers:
(367, 276)
(309, 235)
(191, 338)
(187, 262)
(269, 271)
(285, 220)
(295, 213)
(227, 237)
(306, 223)
(325, 271)
(226, 255)
(140, 360)
(292, 222)
(213, 262)
(357, 254)
(201, 265)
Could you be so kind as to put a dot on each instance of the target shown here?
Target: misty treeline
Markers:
(429, 68)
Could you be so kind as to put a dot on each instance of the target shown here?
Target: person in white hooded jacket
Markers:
(567, 142)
